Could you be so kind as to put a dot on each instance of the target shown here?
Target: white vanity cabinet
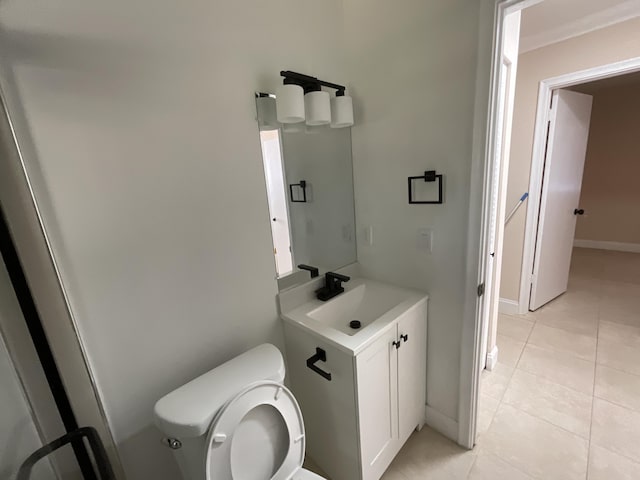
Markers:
(390, 379)
(357, 421)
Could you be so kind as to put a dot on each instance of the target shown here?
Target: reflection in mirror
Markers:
(309, 177)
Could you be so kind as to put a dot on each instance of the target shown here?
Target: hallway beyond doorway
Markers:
(566, 391)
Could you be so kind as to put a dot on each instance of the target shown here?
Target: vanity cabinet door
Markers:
(412, 366)
(377, 377)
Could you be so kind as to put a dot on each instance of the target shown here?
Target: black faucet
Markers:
(312, 270)
(332, 286)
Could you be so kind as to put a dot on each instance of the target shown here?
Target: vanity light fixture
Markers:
(301, 98)
(266, 103)
(290, 103)
(341, 110)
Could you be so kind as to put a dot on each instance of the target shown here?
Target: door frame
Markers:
(545, 94)
(486, 137)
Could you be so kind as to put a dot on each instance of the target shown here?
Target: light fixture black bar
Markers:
(310, 83)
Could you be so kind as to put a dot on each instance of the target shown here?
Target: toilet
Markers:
(236, 422)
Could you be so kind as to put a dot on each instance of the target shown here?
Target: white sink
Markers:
(374, 304)
(366, 303)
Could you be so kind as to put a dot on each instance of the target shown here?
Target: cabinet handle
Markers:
(405, 337)
(396, 344)
(320, 355)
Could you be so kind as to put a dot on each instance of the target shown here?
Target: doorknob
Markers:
(578, 211)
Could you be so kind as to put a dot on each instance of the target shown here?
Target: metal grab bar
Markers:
(515, 209)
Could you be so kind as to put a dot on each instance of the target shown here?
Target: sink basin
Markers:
(374, 304)
(365, 303)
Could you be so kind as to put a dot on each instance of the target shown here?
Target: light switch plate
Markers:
(368, 235)
(425, 240)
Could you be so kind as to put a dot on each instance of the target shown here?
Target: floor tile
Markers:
(514, 327)
(394, 473)
(616, 428)
(509, 350)
(619, 356)
(618, 333)
(580, 322)
(536, 447)
(622, 267)
(606, 465)
(312, 466)
(487, 407)
(428, 454)
(621, 316)
(581, 346)
(618, 387)
(494, 383)
(587, 262)
(490, 467)
(621, 303)
(561, 406)
(579, 283)
(559, 367)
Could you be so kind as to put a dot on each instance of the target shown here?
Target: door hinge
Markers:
(481, 289)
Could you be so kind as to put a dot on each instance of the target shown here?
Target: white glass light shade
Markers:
(267, 113)
(341, 112)
(318, 108)
(290, 103)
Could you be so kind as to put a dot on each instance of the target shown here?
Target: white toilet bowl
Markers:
(237, 422)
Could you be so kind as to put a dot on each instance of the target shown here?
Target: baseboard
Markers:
(441, 423)
(601, 245)
(492, 358)
(510, 307)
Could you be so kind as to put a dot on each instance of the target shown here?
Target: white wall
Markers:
(137, 119)
(413, 77)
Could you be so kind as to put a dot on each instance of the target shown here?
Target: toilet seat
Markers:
(220, 437)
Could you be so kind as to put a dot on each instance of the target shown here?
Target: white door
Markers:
(564, 165)
(500, 174)
(277, 200)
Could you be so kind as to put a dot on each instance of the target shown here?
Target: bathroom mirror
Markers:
(309, 177)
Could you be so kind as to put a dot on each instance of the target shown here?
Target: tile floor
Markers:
(563, 402)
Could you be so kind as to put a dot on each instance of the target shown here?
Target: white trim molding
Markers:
(509, 307)
(492, 358)
(485, 135)
(602, 19)
(441, 423)
(602, 245)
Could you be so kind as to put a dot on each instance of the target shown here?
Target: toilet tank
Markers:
(188, 411)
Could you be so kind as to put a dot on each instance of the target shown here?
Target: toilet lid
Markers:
(266, 404)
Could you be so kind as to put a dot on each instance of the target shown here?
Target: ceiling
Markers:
(556, 20)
